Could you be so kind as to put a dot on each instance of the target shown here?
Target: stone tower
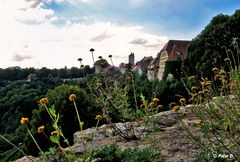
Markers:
(131, 59)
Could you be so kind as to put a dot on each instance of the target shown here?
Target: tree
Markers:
(102, 62)
(59, 97)
(208, 49)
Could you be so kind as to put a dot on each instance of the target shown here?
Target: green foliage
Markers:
(172, 67)
(113, 153)
(217, 107)
(114, 101)
(43, 74)
(102, 62)
(105, 154)
(170, 91)
(54, 139)
(143, 86)
(18, 99)
(9, 155)
(53, 155)
(143, 155)
(206, 50)
(67, 119)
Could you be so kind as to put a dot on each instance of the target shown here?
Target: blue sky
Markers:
(54, 33)
(170, 16)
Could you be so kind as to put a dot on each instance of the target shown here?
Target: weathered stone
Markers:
(162, 127)
(160, 131)
(28, 159)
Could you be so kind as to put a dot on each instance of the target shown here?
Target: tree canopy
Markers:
(213, 44)
(102, 62)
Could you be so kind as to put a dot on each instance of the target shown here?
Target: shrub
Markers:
(216, 104)
(114, 153)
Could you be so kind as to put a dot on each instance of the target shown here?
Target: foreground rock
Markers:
(28, 159)
(162, 132)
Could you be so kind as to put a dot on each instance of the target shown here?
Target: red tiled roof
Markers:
(176, 49)
(143, 63)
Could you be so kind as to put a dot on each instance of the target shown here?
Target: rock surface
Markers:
(28, 159)
(161, 131)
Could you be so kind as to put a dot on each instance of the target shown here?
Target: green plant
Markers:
(72, 98)
(114, 153)
(56, 155)
(17, 148)
(143, 155)
(55, 119)
(105, 154)
(216, 105)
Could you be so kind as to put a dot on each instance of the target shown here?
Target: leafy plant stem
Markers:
(16, 147)
(79, 120)
(50, 114)
(34, 139)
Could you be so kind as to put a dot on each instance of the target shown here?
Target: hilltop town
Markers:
(173, 51)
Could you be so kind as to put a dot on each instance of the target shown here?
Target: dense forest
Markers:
(122, 93)
(18, 73)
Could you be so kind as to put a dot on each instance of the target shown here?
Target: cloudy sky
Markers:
(55, 33)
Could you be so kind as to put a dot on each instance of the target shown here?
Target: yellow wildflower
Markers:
(200, 92)
(195, 95)
(203, 84)
(142, 106)
(40, 129)
(43, 101)
(205, 91)
(176, 108)
(216, 77)
(72, 97)
(227, 59)
(54, 133)
(184, 113)
(159, 107)
(155, 99)
(199, 122)
(152, 104)
(172, 104)
(194, 88)
(82, 66)
(190, 100)
(24, 120)
(128, 78)
(98, 117)
(182, 100)
(222, 72)
(208, 83)
(215, 70)
(191, 78)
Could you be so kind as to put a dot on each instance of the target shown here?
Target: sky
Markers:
(55, 33)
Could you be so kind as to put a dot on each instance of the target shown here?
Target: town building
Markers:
(174, 50)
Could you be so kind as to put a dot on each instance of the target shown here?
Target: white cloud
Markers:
(137, 2)
(45, 44)
(101, 37)
(19, 57)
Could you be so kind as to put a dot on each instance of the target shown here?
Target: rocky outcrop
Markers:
(28, 159)
(161, 131)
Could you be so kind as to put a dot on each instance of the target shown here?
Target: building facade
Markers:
(174, 50)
